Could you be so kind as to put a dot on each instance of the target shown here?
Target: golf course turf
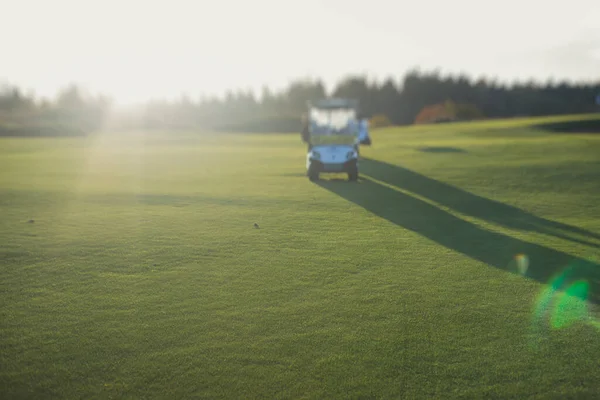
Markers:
(462, 264)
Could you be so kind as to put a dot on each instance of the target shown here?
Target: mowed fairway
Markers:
(142, 274)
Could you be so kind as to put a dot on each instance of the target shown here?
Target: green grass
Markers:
(142, 275)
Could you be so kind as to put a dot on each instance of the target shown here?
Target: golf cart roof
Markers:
(333, 121)
(334, 103)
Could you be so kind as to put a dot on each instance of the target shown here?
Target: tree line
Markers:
(419, 97)
(71, 113)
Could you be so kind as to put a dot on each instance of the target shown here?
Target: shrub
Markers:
(379, 121)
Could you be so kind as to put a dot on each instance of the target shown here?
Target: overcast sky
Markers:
(139, 49)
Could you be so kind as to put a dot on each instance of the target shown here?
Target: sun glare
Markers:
(137, 50)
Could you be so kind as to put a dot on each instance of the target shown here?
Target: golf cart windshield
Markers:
(333, 126)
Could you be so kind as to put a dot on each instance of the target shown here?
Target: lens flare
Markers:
(564, 301)
(519, 264)
(570, 306)
(522, 262)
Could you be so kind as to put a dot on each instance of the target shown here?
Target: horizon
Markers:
(178, 48)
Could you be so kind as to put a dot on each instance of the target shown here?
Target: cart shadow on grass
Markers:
(493, 248)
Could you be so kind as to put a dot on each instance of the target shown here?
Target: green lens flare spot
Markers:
(571, 305)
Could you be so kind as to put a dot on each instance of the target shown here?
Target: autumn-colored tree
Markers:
(435, 113)
(448, 111)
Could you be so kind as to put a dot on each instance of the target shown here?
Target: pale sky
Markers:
(134, 50)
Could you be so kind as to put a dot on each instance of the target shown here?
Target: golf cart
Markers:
(333, 138)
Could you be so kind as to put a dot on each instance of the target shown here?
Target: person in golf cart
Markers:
(363, 132)
(361, 126)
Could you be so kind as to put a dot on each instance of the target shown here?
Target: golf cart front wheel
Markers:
(313, 173)
(353, 175)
